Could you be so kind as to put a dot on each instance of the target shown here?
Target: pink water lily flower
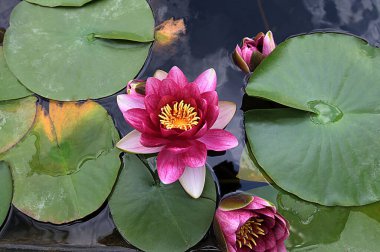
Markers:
(179, 120)
(253, 51)
(249, 223)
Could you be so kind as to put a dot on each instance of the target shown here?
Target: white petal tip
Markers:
(193, 181)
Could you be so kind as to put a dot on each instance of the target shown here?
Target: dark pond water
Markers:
(214, 27)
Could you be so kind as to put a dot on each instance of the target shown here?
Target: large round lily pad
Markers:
(10, 87)
(16, 118)
(66, 166)
(55, 3)
(319, 228)
(79, 53)
(325, 148)
(156, 217)
(5, 191)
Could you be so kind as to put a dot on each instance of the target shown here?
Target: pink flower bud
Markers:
(250, 223)
(253, 51)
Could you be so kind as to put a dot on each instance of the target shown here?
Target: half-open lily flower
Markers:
(253, 51)
(180, 120)
(250, 223)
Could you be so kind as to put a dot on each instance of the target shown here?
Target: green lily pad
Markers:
(325, 147)
(319, 228)
(66, 166)
(55, 3)
(5, 191)
(16, 118)
(79, 53)
(249, 169)
(156, 217)
(10, 87)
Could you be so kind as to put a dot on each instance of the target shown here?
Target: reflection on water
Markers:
(359, 17)
(213, 28)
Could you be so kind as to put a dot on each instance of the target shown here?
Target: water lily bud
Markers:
(136, 87)
(253, 51)
(249, 223)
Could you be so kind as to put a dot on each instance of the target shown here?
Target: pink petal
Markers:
(152, 141)
(177, 75)
(170, 166)
(270, 240)
(247, 54)
(219, 140)
(159, 74)
(191, 90)
(269, 44)
(127, 102)
(211, 97)
(131, 143)
(169, 87)
(196, 155)
(212, 114)
(281, 247)
(201, 131)
(140, 120)
(207, 80)
(152, 86)
(179, 146)
(152, 103)
(226, 113)
(193, 181)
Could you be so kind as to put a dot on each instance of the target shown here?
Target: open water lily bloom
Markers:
(246, 223)
(179, 120)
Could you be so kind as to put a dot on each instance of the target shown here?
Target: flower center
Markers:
(179, 115)
(249, 232)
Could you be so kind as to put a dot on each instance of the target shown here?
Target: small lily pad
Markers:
(10, 87)
(235, 201)
(79, 53)
(319, 228)
(168, 218)
(16, 118)
(5, 191)
(55, 3)
(66, 166)
(325, 147)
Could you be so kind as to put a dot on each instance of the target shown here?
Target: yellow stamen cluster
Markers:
(179, 115)
(249, 232)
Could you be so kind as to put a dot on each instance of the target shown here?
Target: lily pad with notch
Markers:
(71, 54)
(66, 166)
(324, 148)
(10, 87)
(167, 216)
(16, 119)
(320, 228)
(5, 191)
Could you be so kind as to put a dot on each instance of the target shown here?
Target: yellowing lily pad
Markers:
(10, 87)
(324, 148)
(157, 217)
(319, 228)
(16, 118)
(55, 3)
(66, 166)
(69, 135)
(5, 191)
(79, 53)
